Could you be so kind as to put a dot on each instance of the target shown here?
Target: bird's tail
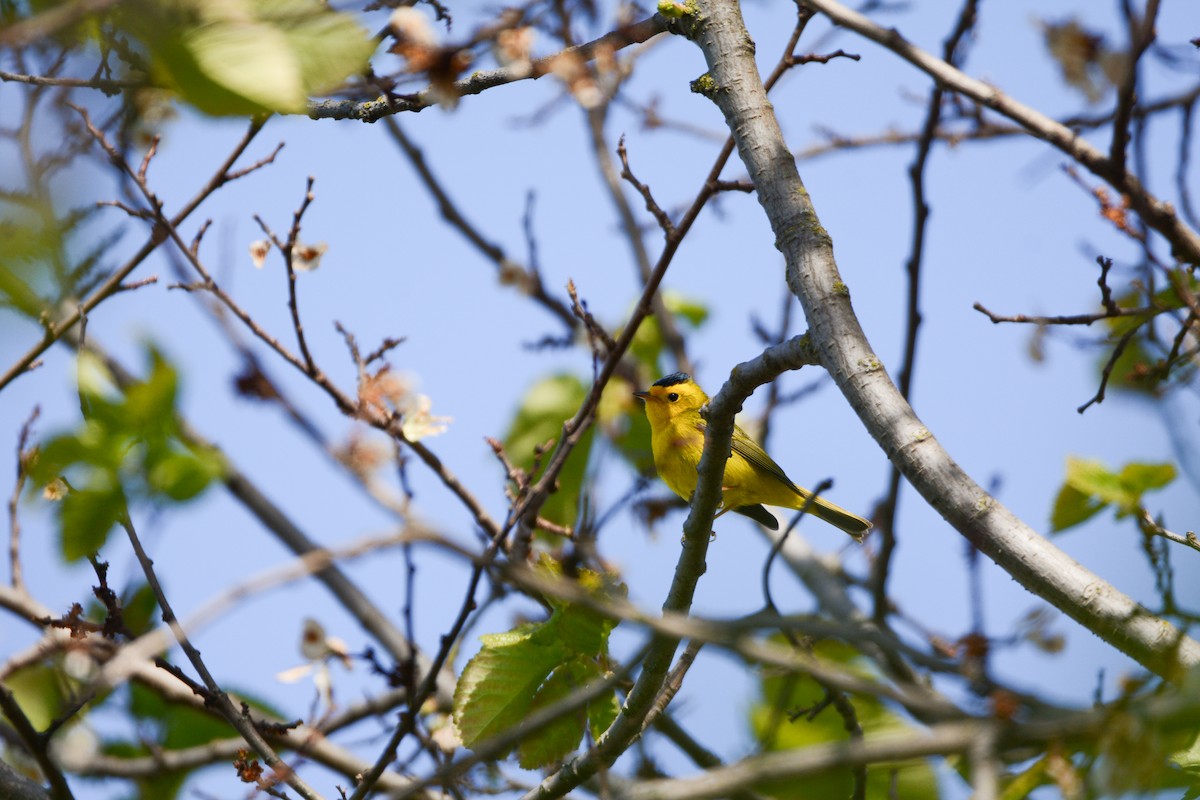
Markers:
(835, 515)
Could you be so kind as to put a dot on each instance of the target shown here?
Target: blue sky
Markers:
(1008, 229)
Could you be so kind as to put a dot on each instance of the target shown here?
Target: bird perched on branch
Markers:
(752, 478)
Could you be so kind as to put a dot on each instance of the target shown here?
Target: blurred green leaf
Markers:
(1072, 507)
(622, 419)
(1090, 486)
(180, 474)
(545, 407)
(784, 694)
(140, 609)
(647, 345)
(688, 309)
(39, 691)
(85, 518)
(1188, 759)
(150, 404)
(127, 449)
(171, 726)
(1140, 478)
(244, 57)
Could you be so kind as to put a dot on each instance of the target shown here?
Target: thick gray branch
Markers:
(844, 350)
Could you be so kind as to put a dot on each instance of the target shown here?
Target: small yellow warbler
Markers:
(752, 479)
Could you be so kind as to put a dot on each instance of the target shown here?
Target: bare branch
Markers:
(845, 352)
(1159, 215)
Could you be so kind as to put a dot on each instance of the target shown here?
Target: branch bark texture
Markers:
(812, 274)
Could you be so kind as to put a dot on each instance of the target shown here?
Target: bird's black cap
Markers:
(673, 378)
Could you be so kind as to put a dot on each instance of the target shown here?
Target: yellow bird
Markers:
(752, 479)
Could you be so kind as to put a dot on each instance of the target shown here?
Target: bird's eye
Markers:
(673, 397)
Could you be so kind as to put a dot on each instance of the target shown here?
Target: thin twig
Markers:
(55, 330)
(17, 579)
(887, 513)
(385, 106)
(241, 722)
(36, 745)
(1141, 36)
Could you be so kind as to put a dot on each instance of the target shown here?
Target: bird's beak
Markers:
(643, 395)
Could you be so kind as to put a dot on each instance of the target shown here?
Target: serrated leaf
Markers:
(555, 741)
(582, 630)
(602, 712)
(497, 686)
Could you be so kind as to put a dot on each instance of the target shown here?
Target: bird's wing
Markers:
(749, 449)
(759, 515)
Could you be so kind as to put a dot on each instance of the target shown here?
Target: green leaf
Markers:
(85, 518)
(55, 456)
(1141, 478)
(243, 57)
(602, 712)
(1072, 507)
(497, 686)
(1092, 478)
(504, 681)
(329, 47)
(1091, 486)
(251, 60)
(15, 290)
(621, 418)
(180, 475)
(581, 630)
(647, 345)
(1188, 758)
(686, 308)
(38, 690)
(555, 741)
(545, 407)
(150, 404)
(781, 694)
(139, 609)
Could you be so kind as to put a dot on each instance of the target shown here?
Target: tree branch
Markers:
(1159, 215)
(844, 350)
